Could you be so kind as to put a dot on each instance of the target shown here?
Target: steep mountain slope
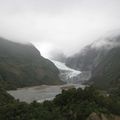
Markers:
(107, 73)
(22, 65)
(83, 60)
(102, 59)
(90, 56)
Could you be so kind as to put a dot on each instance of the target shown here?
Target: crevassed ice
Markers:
(71, 72)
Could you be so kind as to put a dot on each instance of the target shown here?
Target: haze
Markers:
(65, 25)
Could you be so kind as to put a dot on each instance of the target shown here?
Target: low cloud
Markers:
(67, 25)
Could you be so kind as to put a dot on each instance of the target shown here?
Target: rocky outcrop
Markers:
(95, 116)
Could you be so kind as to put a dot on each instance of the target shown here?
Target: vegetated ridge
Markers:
(22, 65)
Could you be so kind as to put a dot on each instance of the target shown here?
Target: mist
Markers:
(63, 25)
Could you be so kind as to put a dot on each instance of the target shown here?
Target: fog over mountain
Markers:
(67, 25)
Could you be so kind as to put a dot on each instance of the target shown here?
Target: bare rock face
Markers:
(95, 116)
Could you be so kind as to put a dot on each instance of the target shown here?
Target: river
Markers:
(39, 93)
(47, 92)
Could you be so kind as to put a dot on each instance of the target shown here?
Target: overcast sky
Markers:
(67, 25)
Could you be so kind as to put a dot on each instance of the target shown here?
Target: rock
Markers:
(101, 116)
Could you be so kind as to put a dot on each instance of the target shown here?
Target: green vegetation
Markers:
(22, 65)
(107, 73)
(103, 62)
(5, 98)
(74, 104)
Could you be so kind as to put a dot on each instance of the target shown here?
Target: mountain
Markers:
(22, 65)
(107, 73)
(90, 56)
(101, 58)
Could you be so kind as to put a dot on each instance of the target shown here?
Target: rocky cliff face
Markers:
(22, 65)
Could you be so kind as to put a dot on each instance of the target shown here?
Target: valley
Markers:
(48, 92)
(59, 60)
(33, 87)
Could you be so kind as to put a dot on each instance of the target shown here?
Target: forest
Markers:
(73, 104)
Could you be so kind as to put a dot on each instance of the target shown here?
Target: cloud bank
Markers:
(67, 25)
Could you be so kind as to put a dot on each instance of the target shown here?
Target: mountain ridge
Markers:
(98, 58)
(22, 65)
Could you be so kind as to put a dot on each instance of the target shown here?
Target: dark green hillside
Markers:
(22, 65)
(5, 98)
(107, 72)
(102, 60)
(74, 104)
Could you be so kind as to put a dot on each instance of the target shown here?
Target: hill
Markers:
(101, 58)
(22, 65)
(107, 73)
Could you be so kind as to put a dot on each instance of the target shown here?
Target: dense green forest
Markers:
(74, 104)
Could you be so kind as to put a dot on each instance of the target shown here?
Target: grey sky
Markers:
(61, 24)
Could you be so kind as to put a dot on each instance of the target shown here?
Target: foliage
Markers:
(106, 74)
(22, 65)
(74, 104)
